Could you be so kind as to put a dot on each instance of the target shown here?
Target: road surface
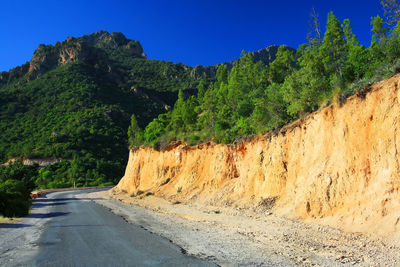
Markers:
(79, 232)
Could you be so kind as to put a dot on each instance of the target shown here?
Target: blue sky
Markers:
(192, 32)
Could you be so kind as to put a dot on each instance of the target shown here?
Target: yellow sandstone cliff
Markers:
(340, 166)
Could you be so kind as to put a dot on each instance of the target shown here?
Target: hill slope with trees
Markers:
(74, 100)
(252, 98)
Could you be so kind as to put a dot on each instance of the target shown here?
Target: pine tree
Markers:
(283, 64)
(135, 133)
(333, 49)
(379, 30)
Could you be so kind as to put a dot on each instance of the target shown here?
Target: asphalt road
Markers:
(83, 233)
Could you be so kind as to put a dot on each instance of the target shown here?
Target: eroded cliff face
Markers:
(340, 166)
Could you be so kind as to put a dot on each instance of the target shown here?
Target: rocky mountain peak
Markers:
(89, 48)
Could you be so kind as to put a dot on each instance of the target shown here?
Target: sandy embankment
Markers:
(230, 236)
(339, 166)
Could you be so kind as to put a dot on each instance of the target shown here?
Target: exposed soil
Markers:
(337, 167)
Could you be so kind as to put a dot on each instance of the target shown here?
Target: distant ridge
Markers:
(265, 55)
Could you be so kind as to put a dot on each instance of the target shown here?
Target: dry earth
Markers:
(232, 237)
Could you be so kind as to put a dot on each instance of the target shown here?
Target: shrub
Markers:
(14, 199)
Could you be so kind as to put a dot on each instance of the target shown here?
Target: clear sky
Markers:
(189, 31)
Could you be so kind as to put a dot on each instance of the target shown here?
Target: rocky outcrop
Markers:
(42, 162)
(340, 166)
(92, 48)
(88, 48)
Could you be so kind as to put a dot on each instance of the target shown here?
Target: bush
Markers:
(14, 199)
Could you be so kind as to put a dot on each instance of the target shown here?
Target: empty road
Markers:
(79, 232)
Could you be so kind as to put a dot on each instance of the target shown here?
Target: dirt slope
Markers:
(339, 167)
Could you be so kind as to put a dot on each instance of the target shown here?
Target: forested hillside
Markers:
(253, 98)
(74, 100)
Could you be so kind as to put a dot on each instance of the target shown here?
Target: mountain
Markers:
(265, 55)
(73, 101)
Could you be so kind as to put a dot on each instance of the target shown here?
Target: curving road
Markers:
(79, 232)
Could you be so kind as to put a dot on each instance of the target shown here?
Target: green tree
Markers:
(177, 124)
(333, 48)
(201, 89)
(379, 30)
(283, 64)
(189, 114)
(304, 90)
(135, 133)
(357, 60)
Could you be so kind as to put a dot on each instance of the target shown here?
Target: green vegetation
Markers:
(16, 183)
(253, 99)
(79, 111)
(68, 113)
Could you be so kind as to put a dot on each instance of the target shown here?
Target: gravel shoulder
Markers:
(229, 236)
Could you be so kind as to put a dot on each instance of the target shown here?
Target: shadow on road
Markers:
(39, 200)
(14, 225)
(81, 225)
(56, 199)
(48, 215)
(38, 205)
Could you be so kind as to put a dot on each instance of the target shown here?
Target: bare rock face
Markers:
(41, 162)
(48, 57)
(340, 167)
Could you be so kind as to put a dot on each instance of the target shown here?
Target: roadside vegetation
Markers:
(16, 184)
